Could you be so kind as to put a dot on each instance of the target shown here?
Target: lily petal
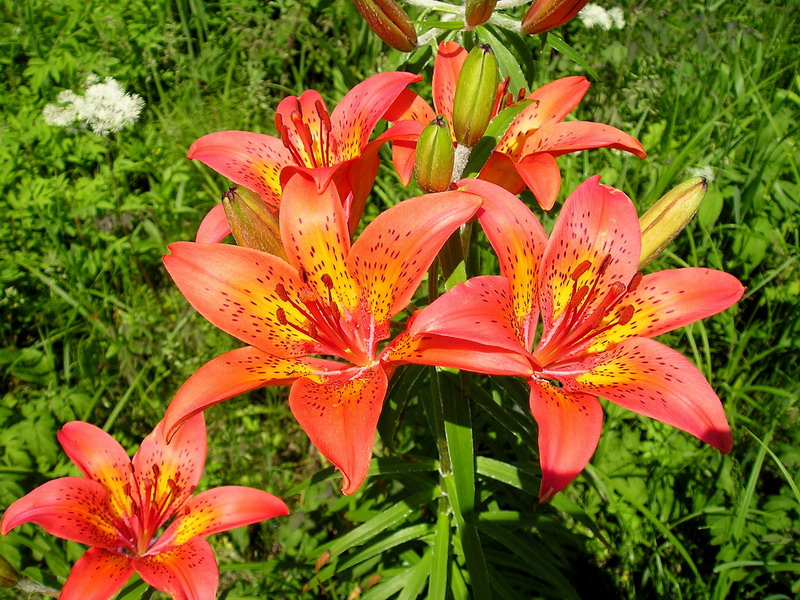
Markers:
(519, 241)
(186, 572)
(234, 373)
(97, 575)
(100, 458)
(214, 227)
(391, 256)
(253, 160)
(235, 289)
(409, 106)
(221, 509)
(355, 117)
(72, 508)
(541, 174)
(569, 429)
(669, 299)
(446, 68)
(502, 171)
(571, 136)
(595, 243)
(454, 353)
(301, 121)
(315, 234)
(651, 379)
(169, 472)
(479, 310)
(339, 412)
(551, 102)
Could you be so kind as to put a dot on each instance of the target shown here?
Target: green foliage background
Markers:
(92, 328)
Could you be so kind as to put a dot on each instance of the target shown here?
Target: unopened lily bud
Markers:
(667, 218)
(475, 95)
(8, 574)
(478, 11)
(252, 223)
(544, 15)
(390, 22)
(435, 154)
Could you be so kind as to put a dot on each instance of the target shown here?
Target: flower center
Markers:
(587, 312)
(325, 322)
(308, 135)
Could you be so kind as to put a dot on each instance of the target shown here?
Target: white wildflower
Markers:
(617, 17)
(105, 107)
(593, 15)
(706, 172)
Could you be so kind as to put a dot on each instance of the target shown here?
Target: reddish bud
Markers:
(544, 15)
(390, 22)
(252, 223)
(478, 11)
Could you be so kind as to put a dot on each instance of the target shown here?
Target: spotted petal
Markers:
(355, 117)
(102, 459)
(220, 509)
(253, 160)
(651, 379)
(595, 243)
(97, 575)
(669, 299)
(391, 256)
(541, 174)
(72, 508)
(339, 412)
(234, 373)
(302, 121)
(252, 295)
(186, 572)
(168, 473)
(518, 240)
(315, 234)
(569, 429)
(571, 136)
(551, 103)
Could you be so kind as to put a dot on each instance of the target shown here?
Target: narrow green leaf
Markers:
(440, 553)
(559, 45)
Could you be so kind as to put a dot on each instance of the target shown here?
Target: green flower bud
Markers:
(667, 217)
(475, 95)
(435, 154)
(8, 574)
(390, 22)
(252, 223)
(478, 11)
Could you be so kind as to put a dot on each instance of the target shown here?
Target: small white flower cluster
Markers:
(105, 107)
(593, 15)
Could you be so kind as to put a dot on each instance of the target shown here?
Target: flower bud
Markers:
(478, 11)
(435, 154)
(475, 95)
(252, 223)
(667, 218)
(544, 15)
(390, 22)
(8, 574)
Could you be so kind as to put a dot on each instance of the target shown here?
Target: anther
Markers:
(282, 293)
(327, 281)
(635, 281)
(281, 314)
(604, 264)
(625, 315)
(580, 270)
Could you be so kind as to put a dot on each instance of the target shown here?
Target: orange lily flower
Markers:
(526, 154)
(329, 146)
(598, 314)
(327, 298)
(120, 505)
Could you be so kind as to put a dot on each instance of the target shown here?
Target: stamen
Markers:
(280, 289)
(580, 270)
(635, 281)
(604, 265)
